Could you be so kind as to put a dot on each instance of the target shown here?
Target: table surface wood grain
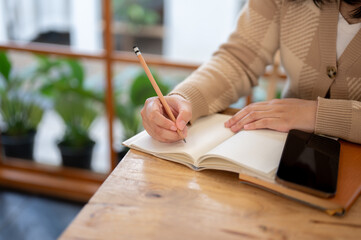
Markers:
(149, 198)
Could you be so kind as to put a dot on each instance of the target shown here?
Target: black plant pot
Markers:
(18, 146)
(78, 157)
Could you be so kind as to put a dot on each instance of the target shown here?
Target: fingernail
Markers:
(173, 128)
(234, 128)
(181, 125)
(226, 124)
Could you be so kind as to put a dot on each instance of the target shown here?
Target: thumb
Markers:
(184, 116)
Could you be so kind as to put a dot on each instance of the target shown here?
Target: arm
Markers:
(339, 118)
(235, 67)
(229, 74)
(332, 117)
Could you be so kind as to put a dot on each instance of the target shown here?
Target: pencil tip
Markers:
(184, 140)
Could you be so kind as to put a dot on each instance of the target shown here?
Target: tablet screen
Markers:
(310, 163)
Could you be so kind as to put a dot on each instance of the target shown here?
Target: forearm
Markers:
(210, 89)
(339, 118)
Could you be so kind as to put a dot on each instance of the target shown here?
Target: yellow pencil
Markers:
(156, 88)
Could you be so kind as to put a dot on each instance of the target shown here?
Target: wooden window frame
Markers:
(60, 181)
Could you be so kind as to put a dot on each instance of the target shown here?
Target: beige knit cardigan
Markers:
(306, 38)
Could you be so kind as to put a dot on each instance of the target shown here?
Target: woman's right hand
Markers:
(157, 123)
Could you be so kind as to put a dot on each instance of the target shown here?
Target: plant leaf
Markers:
(141, 89)
(48, 89)
(5, 66)
(130, 119)
(77, 71)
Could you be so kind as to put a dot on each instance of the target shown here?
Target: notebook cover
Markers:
(348, 183)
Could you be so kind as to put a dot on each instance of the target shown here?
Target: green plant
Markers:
(19, 108)
(138, 12)
(76, 105)
(129, 102)
(78, 113)
(63, 75)
(20, 117)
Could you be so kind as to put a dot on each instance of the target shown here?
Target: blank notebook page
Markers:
(258, 149)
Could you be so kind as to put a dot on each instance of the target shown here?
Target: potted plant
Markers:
(129, 102)
(20, 111)
(78, 113)
(75, 104)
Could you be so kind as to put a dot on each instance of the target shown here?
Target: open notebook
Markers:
(212, 146)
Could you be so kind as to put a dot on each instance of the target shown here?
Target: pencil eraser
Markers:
(136, 50)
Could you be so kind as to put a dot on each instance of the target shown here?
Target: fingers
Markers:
(250, 113)
(161, 121)
(252, 117)
(162, 134)
(269, 123)
(157, 123)
(281, 115)
(184, 116)
(250, 109)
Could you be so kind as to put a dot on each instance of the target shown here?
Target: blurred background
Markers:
(71, 90)
(167, 29)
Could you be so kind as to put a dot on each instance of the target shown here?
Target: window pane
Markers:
(61, 22)
(70, 94)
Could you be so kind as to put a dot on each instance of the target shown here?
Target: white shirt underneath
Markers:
(345, 33)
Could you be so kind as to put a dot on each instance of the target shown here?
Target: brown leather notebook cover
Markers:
(348, 183)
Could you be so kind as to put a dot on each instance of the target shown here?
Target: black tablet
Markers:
(309, 163)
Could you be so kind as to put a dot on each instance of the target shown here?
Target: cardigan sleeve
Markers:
(235, 67)
(339, 118)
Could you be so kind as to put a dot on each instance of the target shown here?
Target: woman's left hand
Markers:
(278, 114)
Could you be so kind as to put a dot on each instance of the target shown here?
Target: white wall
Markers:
(3, 17)
(24, 17)
(53, 15)
(28, 18)
(195, 29)
(85, 29)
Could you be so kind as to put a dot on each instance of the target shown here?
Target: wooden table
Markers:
(149, 198)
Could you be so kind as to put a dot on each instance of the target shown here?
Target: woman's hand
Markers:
(157, 123)
(278, 114)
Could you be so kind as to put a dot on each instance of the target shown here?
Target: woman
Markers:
(320, 48)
